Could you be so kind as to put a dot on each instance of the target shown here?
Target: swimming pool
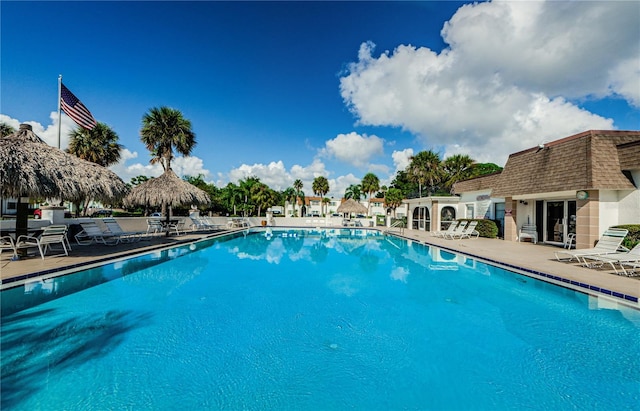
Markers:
(313, 319)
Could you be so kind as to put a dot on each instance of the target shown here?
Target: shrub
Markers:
(633, 237)
(486, 228)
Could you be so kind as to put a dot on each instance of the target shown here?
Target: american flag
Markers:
(75, 109)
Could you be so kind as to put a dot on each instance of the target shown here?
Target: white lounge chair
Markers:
(463, 230)
(609, 243)
(621, 259)
(125, 236)
(52, 234)
(7, 243)
(449, 230)
(91, 233)
(456, 231)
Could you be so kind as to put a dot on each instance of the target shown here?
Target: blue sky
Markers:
(288, 90)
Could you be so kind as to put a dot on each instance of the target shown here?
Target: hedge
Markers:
(633, 237)
(486, 228)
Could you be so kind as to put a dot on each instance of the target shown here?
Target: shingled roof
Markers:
(486, 182)
(589, 160)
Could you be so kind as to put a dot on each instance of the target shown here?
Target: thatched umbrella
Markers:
(29, 167)
(351, 206)
(167, 189)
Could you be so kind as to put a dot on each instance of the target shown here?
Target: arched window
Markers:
(447, 215)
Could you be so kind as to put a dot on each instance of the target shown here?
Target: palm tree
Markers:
(424, 169)
(98, 145)
(164, 130)
(246, 187)
(261, 196)
(6, 129)
(231, 197)
(353, 191)
(288, 196)
(370, 185)
(393, 199)
(320, 187)
(457, 167)
(297, 186)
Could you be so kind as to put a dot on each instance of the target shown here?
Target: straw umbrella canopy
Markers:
(167, 189)
(351, 206)
(29, 167)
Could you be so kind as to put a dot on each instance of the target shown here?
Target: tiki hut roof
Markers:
(167, 189)
(351, 206)
(29, 167)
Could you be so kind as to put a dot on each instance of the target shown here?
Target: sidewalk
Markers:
(539, 261)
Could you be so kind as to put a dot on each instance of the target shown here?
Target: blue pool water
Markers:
(313, 320)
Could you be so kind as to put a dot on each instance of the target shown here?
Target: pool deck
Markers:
(535, 260)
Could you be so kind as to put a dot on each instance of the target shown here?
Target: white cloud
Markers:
(506, 80)
(49, 134)
(401, 159)
(273, 174)
(353, 148)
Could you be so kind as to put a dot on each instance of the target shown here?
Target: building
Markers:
(574, 187)
(571, 189)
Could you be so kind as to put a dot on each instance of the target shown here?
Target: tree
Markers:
(482, 169)
(138, 180)
(353, 191)
(370, 185)
(320, 187)
(456, 168)
(393, 199)
(231, 197)
(261, 195)
(403, 183)
(288, 197)
(425, 169)
(98, 145)
(297, 186)
(246, 187)
(6, 129)
(164, 130)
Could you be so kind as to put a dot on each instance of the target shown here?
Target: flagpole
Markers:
(59, 114)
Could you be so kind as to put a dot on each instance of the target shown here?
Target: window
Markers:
(470, 213)
(447, 215)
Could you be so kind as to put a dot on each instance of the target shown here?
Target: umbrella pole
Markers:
(22, 221)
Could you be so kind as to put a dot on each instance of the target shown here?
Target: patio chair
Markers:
(91, 233)
(212, 224)
(529, 231)
(125, 236)
(457, 232)
(7, 243)
(621, 259)
(202, 223)
(449, 230)
(155, 226)
(470, 231)
(609, 243)
(176, 227)
(52, 234)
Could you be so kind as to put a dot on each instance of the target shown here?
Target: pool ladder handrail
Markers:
(397, 224)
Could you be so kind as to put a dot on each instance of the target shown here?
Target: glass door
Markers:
(560, 221)
(555, 222)
(499, 213)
